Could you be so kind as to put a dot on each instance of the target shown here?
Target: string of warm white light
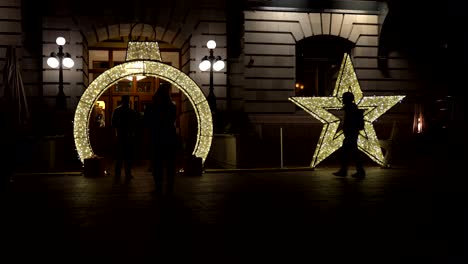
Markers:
(143, 58)
(331, 139)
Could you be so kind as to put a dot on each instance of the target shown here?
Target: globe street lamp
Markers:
(212, 63)
(60, 60)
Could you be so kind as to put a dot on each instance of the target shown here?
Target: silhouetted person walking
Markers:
(161, 119)
(353, 122)
(124, 120)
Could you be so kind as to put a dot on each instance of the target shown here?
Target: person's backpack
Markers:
(360, 119)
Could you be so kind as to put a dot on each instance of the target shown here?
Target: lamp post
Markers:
(60, 60)
(211, 63)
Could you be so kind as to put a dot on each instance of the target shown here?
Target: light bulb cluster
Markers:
(65, 59)
(211, 62)
(145, 67)
(54, 62)
(205, 64)
(331, 139)
(148, 50)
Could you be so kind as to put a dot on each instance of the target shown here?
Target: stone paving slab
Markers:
(408, 215)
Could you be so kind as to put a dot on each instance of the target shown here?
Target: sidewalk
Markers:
(405, 215)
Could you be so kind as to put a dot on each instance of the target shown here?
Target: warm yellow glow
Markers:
(143, 61)
(138, 77)
(101, 104)
(331, 139)
(419, 125)
(142, 51)
(135, 66)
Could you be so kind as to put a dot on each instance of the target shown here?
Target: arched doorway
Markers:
(318, 60)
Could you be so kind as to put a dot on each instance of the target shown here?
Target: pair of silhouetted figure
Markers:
(351, 127)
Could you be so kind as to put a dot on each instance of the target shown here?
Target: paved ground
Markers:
(404, 215)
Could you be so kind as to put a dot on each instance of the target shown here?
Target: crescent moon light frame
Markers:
(146, 67)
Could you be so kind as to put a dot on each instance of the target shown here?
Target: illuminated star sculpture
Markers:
(331, 138)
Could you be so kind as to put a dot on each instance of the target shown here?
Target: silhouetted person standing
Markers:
(351, 128)
(161, 120)
(124, 120)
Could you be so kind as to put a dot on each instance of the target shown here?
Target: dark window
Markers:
(145, 86)
(318, 60)
(123, 86)
(100, 64)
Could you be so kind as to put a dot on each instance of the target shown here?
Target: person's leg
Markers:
(359, 162)
(128, 163)
(158, 173)
(118, 163)
(170, 174)
(345, 152)
(360, 173)
(117, 169)
(128, 167)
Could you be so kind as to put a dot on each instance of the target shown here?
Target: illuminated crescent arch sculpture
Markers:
(143, 58)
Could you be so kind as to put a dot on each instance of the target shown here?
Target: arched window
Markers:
(318, 60)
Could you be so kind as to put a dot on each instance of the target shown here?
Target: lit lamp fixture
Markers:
(211, 63)
(60, 60)
(299, 88)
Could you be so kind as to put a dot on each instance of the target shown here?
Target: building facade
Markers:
(272, 51)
